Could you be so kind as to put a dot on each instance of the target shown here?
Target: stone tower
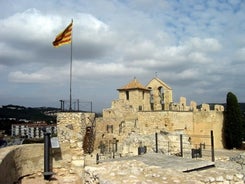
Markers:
(136, 94)
(160, 94)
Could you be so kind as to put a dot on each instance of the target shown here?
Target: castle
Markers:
(139, 113)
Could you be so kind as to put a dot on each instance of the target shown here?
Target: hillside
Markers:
(27, 113)
(12, 114)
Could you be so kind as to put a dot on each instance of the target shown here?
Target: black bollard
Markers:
(181, 145)
(47, 155)
(97, 158)
(212, 145)
(156, 140)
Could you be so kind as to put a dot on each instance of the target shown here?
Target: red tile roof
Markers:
(134, 84)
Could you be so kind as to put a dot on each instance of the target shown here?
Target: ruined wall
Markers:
(204, 122)
(71, 129)
(198, 123)
(120, 109)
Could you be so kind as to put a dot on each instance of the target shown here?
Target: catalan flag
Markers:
(64, 37)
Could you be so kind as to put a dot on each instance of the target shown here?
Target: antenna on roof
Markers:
(155, 74)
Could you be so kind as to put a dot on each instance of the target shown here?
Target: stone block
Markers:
(78, 163)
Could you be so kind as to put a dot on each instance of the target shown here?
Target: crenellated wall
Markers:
(192, 123)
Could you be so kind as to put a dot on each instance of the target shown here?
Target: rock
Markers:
(229, 177)
(211, 179)
(219, 179)
(77, 163)
(239, 176)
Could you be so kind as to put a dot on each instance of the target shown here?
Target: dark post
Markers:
(181, 145)
(97, 158)
(47, 150)
(113, 147)
(91, 107)
(62, 105)
(78, 105)
(116, 146)
(156, 142)
(212, 146)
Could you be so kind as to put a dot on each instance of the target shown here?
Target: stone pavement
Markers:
(159, 168)
(172, 162)
(153, 168)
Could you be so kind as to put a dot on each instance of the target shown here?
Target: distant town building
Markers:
(32, 130)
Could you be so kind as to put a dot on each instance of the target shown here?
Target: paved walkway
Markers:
(174, 162)
(182, 164)
(170, 162)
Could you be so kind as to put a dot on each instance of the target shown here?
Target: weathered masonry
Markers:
(145, 110)
(134, 118)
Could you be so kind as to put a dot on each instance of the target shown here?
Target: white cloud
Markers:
(240, 55)
(204, 45)
(29, 25)
(198, 57)
(96, 70)
(21, 77)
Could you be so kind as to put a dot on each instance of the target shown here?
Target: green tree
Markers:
(232, 123)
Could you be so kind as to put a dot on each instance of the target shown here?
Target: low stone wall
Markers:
(19, 161)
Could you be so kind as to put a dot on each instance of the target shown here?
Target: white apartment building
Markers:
(32, 130)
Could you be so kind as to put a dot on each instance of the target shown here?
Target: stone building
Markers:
(133, 120)
(156, 95)
(141, 111)
(131, 123)
(136, 94)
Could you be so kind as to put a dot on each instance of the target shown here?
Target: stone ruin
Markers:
(142, 111)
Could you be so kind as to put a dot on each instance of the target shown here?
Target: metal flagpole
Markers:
(71, 72)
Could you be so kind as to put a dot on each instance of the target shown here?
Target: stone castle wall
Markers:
(124, 117)
(192, 123)
(141, 128)
(71, 129)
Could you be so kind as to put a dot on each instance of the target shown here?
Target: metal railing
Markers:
(76, 105)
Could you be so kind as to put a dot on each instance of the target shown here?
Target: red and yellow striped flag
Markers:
(64, 37)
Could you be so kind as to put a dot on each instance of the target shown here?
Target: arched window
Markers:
(151, 98)
(161, 95)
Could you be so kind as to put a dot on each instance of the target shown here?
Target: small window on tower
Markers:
(127, 95)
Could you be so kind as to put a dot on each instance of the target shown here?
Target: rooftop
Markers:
(134, 84)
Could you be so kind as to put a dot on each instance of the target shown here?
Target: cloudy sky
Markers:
(196, 47)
